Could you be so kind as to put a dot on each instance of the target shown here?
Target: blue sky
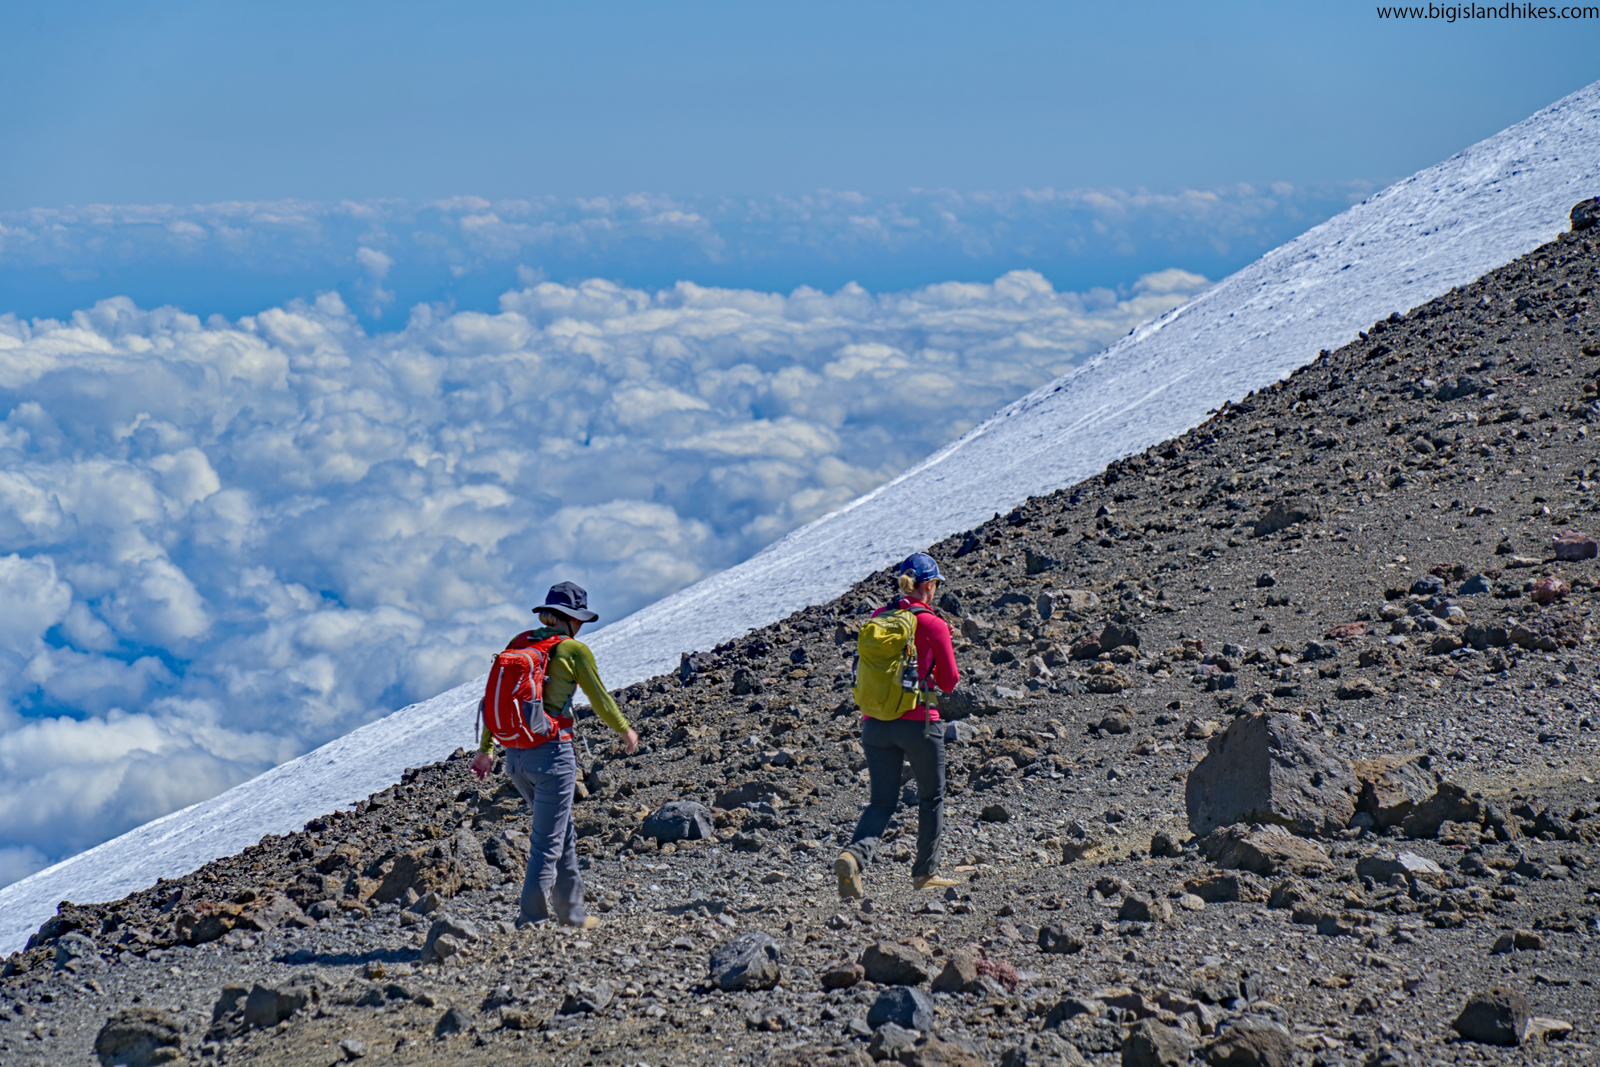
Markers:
(198, 102)
(752, 119)
(330, 335)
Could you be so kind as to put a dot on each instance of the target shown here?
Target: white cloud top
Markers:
(224, 543)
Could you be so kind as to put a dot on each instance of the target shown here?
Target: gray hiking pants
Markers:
(546, 776)
(888, 746)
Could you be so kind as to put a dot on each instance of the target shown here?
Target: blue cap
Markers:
(921, 567)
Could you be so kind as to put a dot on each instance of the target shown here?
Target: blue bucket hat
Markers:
(921, 567)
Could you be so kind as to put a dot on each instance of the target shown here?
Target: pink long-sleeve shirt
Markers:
(933, 646)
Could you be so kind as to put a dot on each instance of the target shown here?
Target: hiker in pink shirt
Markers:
(913, 733)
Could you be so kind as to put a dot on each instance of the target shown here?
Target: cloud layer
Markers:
(385, 256)
(224, 543)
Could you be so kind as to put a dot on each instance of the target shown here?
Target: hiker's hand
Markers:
(482, 764)
(630, 741)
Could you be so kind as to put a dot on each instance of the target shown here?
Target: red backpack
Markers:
(513, 700)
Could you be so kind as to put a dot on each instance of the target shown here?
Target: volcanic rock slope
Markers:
(1340, 593)
(1440, 228)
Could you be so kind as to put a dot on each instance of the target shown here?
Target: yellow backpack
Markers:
(887, 682)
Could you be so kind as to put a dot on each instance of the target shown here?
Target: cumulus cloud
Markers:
(387, 255)
(225, 542)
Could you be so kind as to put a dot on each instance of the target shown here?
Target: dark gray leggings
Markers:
(888, 746)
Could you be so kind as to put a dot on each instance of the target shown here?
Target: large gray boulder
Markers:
(139, 1037)
(904, 1006)
(748, 962)
(679, 820)
(1266, 768)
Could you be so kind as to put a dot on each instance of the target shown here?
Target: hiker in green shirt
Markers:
(545, 771)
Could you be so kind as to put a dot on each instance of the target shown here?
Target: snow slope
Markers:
(1414, 241)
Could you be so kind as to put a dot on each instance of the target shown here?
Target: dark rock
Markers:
(749, 794)
(1266, 768)
(139, 1037)
(1550, 631)
(447, 867)
(1252, 1042)
(1266, 581)
(587, 999)
(1264, 850)
(745, 682)
(1316, 650)
(842, 975)
(1042, 1050)
(679, 820)
(1088, 648)
(1477, 585)
(1143, 908)
(1517, 941)
(1449, 803)
(905, 1006)
(1290, 893)
(1114, 723)
(887, 963)
(1228, 887)
(266, 1007)
(960, 973)
(932, 1052)
(1057, 941)
(1585, 213)
(1118, 636)
(1036, 563)
(1162, 846)
(447, 936)
(995, 813)
(455, 1020)
(889, 1040)
(507, 851)
(1284, 514)
(77, 950)
(748, 962)
(1497, 1017)
(1428, 585)
(1150, 1044)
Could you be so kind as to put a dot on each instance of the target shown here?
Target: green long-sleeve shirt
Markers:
(571, 666)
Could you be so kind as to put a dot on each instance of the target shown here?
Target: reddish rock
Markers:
(1572, 545)
(1088, 648)
(1345, 629)
(1001, 972)
(1548, 589)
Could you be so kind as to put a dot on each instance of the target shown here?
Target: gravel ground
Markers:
(1409, 483)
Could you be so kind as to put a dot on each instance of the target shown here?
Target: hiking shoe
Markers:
(931, 881)
(589, 922)
(848, 870)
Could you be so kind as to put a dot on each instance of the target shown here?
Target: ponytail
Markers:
(907, 583)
